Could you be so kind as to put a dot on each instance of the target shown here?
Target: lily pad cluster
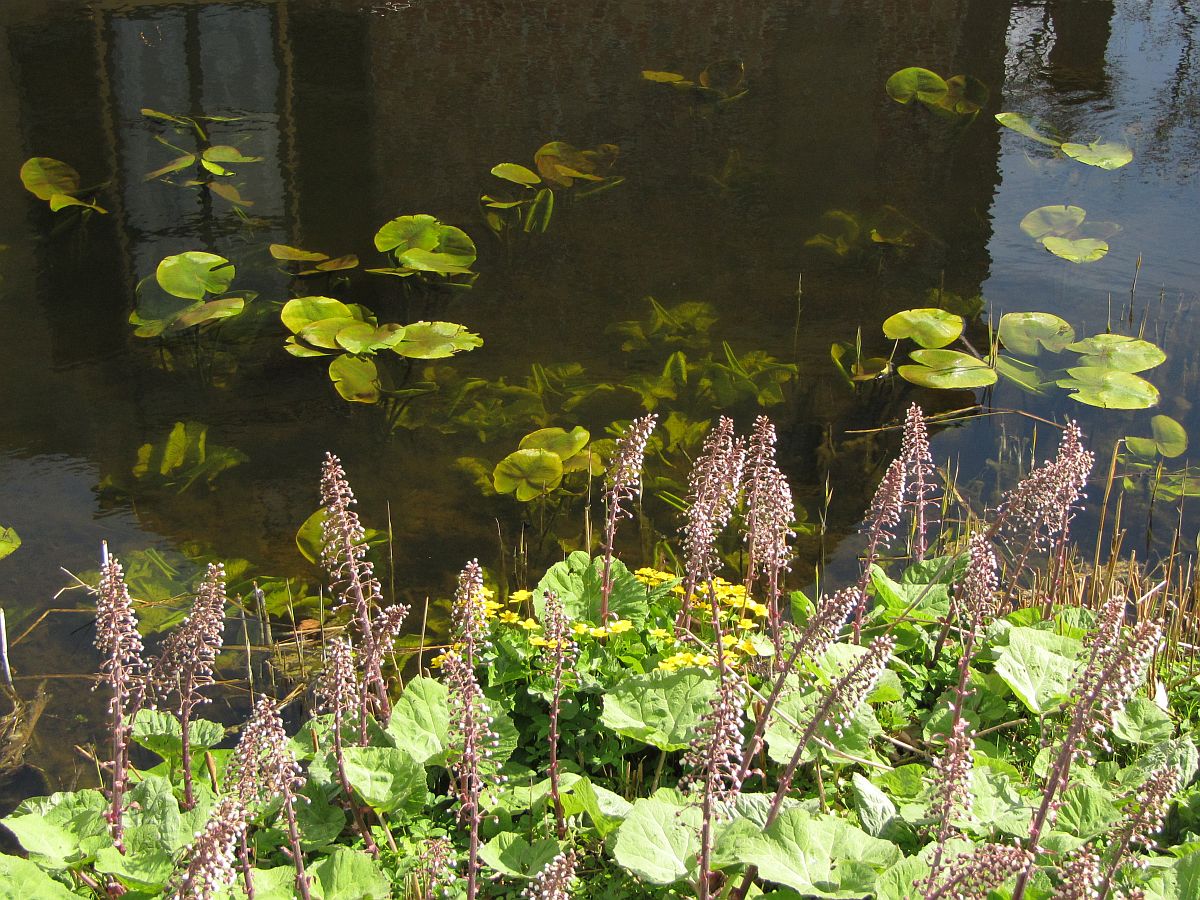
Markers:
(192, 291)
(351, 334)
(421, 245)
(721, 82)
(847, 234)
(1100, 154)
(953, 97)
(1061, 230)
(57, 183)
(211, 162)
(302, 263)
(542, 459)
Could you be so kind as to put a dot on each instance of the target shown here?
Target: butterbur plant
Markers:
(209, 864)
(560, 652)
(434, 875)
(918, 462)
(554, 881)
(121, 670)
(768, 522)
(622, 485)
(185, 663)
(887, 506)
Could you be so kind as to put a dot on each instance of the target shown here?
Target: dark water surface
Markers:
(366, 111)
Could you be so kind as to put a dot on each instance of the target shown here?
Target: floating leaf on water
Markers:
(9, 540)
(423, 243)
(947, 369)
(323, 333)
(1119, 352)
(517, 174)
(436, 340)
(212, 311)
(931, 328)
(193, 274)
(1026, 376)
(228, 192)
(295, 254)
(356, 378)
(303, 311)
(1023, 126)
(1169, 439)
(180, 162)
(557, 440)
(1076, 250)
(62, 201)
(363, 337)
(1108, 388)
(1052, 220)
(664, 77)
(1024, 332)
(561, 163)
(965, 95)
(528, 473)
(223, 153)
(916, 83)
(44, 176)
(349, 261)
(1101, 154)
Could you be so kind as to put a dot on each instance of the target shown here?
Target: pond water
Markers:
(362, 112)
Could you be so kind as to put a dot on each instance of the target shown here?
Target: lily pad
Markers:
(363, 337)
(1119, 351)
(9, 540)
(356, 378)
(517, 174)
(1024, 332)
(44, 176)
(664, 77)
(931, 328)
(557, 440)
(422, 242)
(1027, 377)
(303, 311)
(193, 274)
(223, 153)
(947, 370)
(436, 340)
(1169, 439)
(1108, 388)
(1023, 126)
(1101, 154)
(528, 473)
(1053, 221)
(295, 254)
(916, 83)
(1076, 250)
(212, 311)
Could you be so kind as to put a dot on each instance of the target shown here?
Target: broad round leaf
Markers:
(363, 337)
(1052, 220)
(516, 174)
(295, 254)
(44, 177)
(325, 332)
(9, 540)
(947, 370)
(918, 83)
(431, 261)
(931, 328)
(1109, 389)
(1170, 437)
(223, 153)
(406, 232)
(1021, 125)
(1023, 332)
(303, 311)
(1101, 154)
(557, 440)
(663, 77)
(965, 95)
(1119, 351)
(355, 378)
(436, 340)
(193, 274)
(225, 308)
(1076, 250)
(528, 474)
(658, 841)
(1026, 376)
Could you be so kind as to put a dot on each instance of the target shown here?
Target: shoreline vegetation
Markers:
(982, 714)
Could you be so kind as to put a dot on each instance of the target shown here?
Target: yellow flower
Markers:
(728, 640)
(747, 623)
(437, 661)
(620, 626)
(508, 617)
(491, 607)
(519, 596)
(747, 646)
(530, 625)
(488, 594)
(579, 628)
(598, 632)
(661, 634)
(539, 641)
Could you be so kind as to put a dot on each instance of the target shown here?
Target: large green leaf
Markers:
(511, 854)
(1023, 332)
(875, 809)
(436, 340)
(348, 874)
(1052, 220)
(21, 879)
(516, 174)
(1108, 389)
(916, 83)
(301, 312)
(947, 369)
(578, 581)
(1023, 126)
(406, 232)
(931, 328)
(387, 778)
(1169, 440)
(194, 274)
(1102, 154)
(44, 176)
(356, 378)
(1143, 721)
(161, 733)
(1120, 352)
(860, 728)
(420, 722)
(61, 829)
(9, 540)
(658, 841)
(1076, 250)
(528, 474)
(660, 708)
(1039, 667)
(565, 444)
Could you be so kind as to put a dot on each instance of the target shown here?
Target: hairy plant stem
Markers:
(289, 813)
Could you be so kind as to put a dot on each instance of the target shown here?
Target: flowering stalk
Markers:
(210, 860)
(713, 487)
(554, 881)
(262, 768)
(974, 875)
(1079, 876)
(186, 661)
(884, 515)
(118, 640)
(918, 462)
(622, 484)
(1112, 674)
(768, 522)
(338, 693)
(435, 873)
(353, 581)
(561, 650)
(1144, 820)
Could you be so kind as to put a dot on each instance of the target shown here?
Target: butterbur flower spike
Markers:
(973, 875)
(435, 875)
(768, 520)
(622, 485)
(886, 508)
(554, 881)
(209, 867)
(918, 464)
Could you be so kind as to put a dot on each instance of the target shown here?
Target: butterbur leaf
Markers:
(1039, 667)
(578, 582)
(161, 733)
(658, 841)
(511, 854)
(420, 722)
(660, 708)
(348, 874)
(387, 778)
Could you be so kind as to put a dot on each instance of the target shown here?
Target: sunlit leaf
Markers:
(663, 77)
(324, 332)
(1023, 126)
(222, 153)
(1027, 376)
(517, 174)
(363, 337)
(931, 328)
(1102, 154)
(528, 473)
(947, 369)
(1024, 332)
(661, 708)
(1169, 439)
(44, 177)
(215, 168)
(62, 201)
(965, 95)
(181, 162)
(431, 261)
(193, 274)
(436, 340)
(1119, 351)
(1076, 250)
(538, 217)
(355, 378)
(1052, 221)
(349, 261)
(1108, 388)
(9, 540)
(224, 308)
(916, 83)
(303, 311)
(557, 440)
(295, 254)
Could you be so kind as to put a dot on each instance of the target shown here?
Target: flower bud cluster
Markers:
(826, 623)
(1080, 877)
(918, 462)
(713, 762)
(210, 860)
(853, 688)
(713, 487)
(117, 636)
(263, 766)
(624, 479)
(887, 504)
(471, 735)
(952, 775)
(337, 688)
(971, 876)
(1044, 503)
(554, 881)
(469, 613)
(435, 871)
(188, 655)
(769, 506)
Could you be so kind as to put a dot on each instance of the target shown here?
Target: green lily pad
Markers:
(931, 328)
(223, 153)
(193, 274)
(9, 540)
(213, 310)
(440, 246)
(965, 95)
(1169, 440)
(1023, 126)
(303, 311)
(1027, 377)
(363, 337)
(295, 254)
(324, 333)
(1108, 388)
(406, 232)
(947, 370)
(528, 473)
(916, 83)
(355, 378)
(1101, 154)
(44, 176)
(436, 340)
(1023, 332)
(1056, 221)
(517, 174)
(1076, 250)
(1118, 351)
(565, 444)
(664, 77)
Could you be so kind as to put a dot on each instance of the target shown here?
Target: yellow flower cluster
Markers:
(618, 627)
(683, 660)
(732, 597)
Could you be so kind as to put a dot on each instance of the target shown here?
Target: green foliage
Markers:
(959, 95)
(421, 245)
(9, 540)
(1059, 230)
(184, 457)
(55, 182)
(720, 82)
(1101, 154)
